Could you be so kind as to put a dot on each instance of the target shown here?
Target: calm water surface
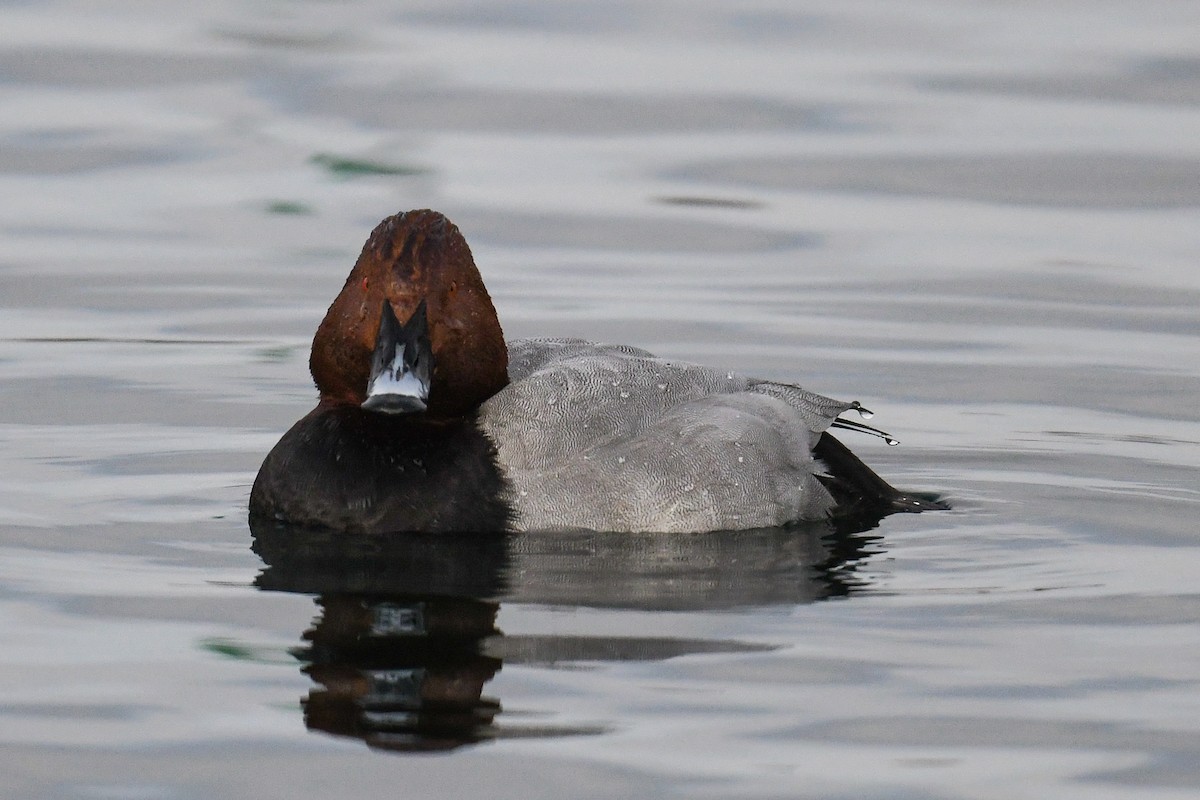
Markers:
(979, 219)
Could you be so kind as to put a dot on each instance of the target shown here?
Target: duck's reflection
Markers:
(406, 638)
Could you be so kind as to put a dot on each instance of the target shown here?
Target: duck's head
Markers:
(413, 320)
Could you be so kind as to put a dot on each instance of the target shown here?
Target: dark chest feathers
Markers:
(350, 469)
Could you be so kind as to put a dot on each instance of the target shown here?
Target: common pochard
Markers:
(428, 421)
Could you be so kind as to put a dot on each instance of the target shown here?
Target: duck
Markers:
(428, 421)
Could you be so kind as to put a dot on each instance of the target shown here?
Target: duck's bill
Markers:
(394, 404)
(401, 365)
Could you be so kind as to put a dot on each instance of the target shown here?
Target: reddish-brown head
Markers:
(409, 257)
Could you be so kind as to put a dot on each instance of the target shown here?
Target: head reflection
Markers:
(406, 638)
(400, 673)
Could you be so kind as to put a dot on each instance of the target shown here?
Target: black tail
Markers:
(857, 488)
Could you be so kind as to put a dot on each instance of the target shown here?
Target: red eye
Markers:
(364, 284)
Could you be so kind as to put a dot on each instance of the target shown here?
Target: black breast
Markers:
(344, 468)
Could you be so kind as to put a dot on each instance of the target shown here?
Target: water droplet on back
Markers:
(863, 412)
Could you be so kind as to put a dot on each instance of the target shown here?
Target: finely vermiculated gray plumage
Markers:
(607, 437)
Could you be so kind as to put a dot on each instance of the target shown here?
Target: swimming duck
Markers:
(427, 421)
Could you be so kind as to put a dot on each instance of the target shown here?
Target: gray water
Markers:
(979, 219)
